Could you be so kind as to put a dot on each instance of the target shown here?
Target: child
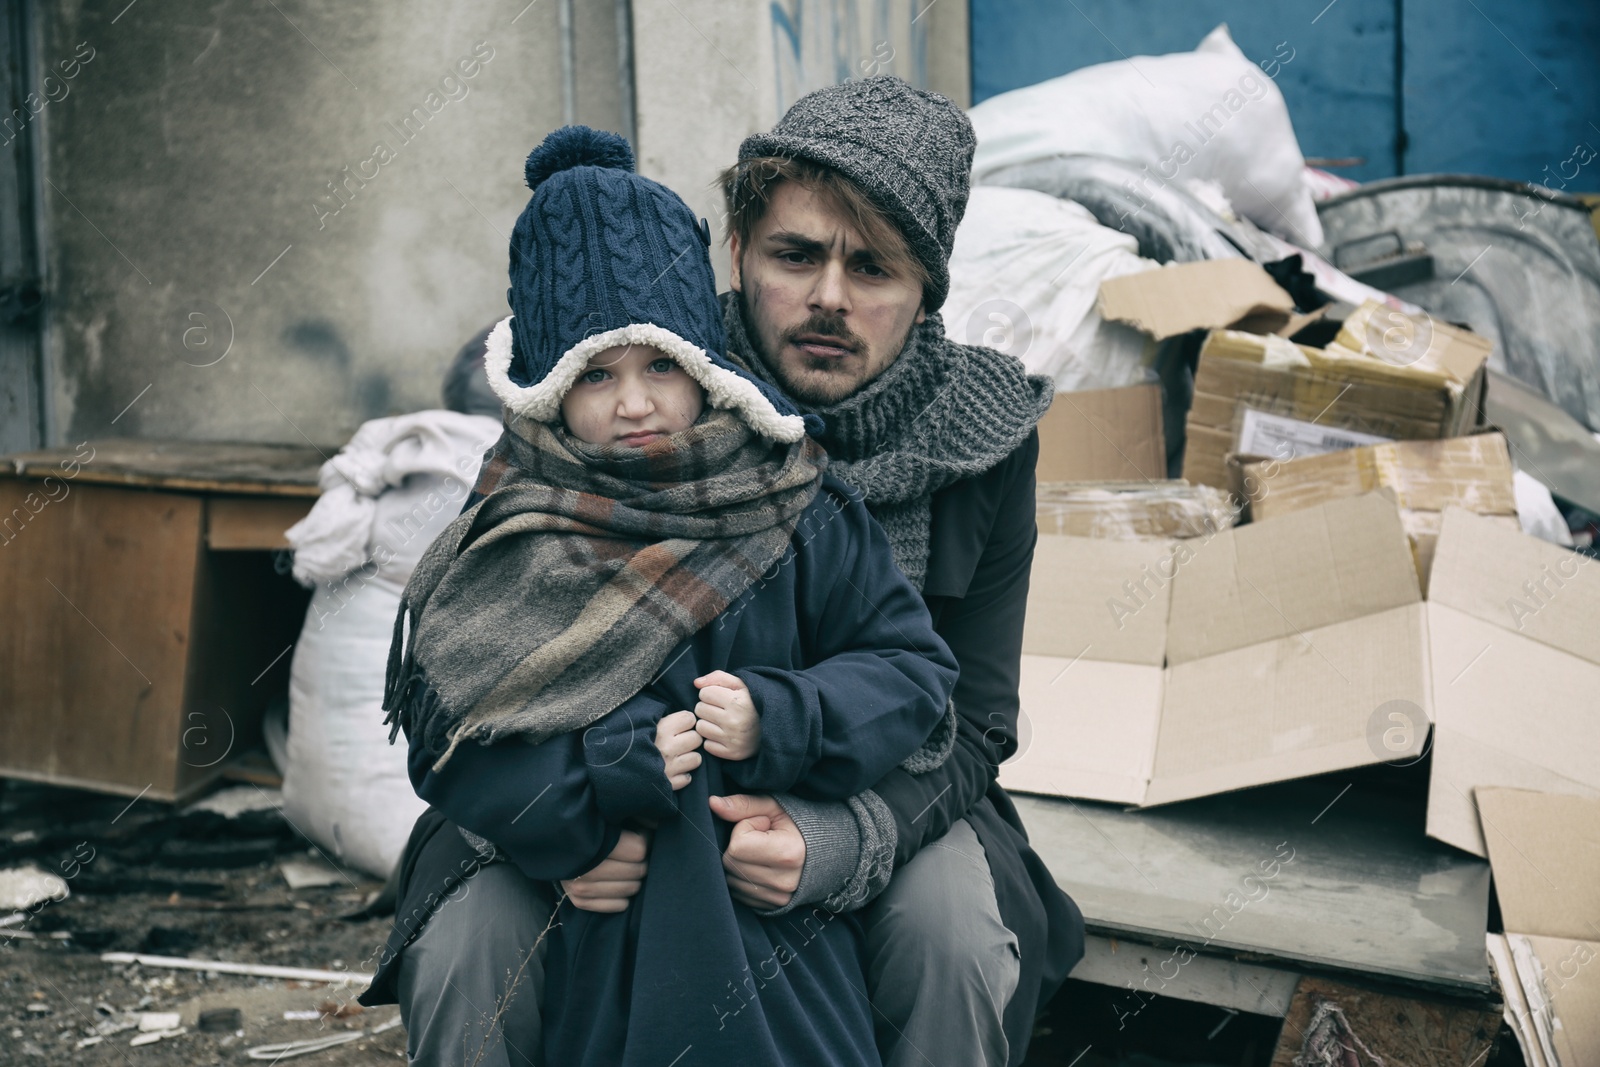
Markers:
(657, 534)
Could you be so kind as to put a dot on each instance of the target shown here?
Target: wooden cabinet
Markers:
(146, 624)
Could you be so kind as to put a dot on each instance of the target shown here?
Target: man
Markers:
(841, 221)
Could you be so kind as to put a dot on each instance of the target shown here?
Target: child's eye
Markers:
(594, 377)
(662, 366)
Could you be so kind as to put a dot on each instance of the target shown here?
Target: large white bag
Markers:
(386, 496)
(1210, 114)
(1024, 278)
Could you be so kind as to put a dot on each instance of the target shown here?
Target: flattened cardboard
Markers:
(1529, 587)
(1159, 671)
(1207, 295)
(1104, 600)
(1287, 708)
(1103, 435)
(1308, 569)
(1571, 984)
(1514, 643)
(1090, 728)
(1517, 1015)
(1544, 849)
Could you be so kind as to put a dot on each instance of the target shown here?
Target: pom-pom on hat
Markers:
(602, 257)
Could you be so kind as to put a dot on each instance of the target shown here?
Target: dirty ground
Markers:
(144, 877)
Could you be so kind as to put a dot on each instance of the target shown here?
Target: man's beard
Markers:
(818, 381)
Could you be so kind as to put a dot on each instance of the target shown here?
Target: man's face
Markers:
(828, 312)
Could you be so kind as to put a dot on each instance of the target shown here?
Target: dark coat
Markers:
(982, 539)
(840, 655)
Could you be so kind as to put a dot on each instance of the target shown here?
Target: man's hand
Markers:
(765, 853)
(608, 886)
(727, 716)
(677, 739)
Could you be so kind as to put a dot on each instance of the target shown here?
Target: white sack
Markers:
(1024, 278)
(334, 538)
(386, 496)
(1210, 114)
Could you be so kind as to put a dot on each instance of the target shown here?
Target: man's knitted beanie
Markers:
(908, 149)
(602, 257)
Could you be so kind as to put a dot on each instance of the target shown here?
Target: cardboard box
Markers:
(1110, 435)
(1545, 852)
(1514, 643)
(1544, 849)
(1439, 394)
(1155, 671)
(1131, 510)
(1206, 295)
(1425, 476)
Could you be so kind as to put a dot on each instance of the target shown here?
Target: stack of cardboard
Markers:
(1425, 477)
(1545, 852)
(1180, 657)
(1253, 394)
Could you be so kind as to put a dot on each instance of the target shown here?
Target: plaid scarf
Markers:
(558, 597)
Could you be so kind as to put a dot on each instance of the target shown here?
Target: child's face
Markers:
(631, 395)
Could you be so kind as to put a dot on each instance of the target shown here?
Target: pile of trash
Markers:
(1321, 485)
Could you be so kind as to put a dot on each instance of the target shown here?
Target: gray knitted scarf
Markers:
(941, 412)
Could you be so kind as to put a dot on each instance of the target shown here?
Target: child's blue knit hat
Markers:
(602, 257)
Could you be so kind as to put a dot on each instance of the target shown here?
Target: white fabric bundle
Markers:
(1024, 278)
(1210, 115)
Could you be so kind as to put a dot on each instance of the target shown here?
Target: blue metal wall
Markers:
(1498, 87)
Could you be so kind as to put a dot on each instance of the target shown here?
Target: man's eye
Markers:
(595, 377)
(662, 365)
(797, 258)
(872, 270)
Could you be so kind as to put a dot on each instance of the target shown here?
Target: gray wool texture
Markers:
(910, 151)
(941, 412)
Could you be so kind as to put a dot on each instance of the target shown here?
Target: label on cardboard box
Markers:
(1266, 434)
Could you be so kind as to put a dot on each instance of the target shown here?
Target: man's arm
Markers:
(984, 630)
(847, 851)
(879, 678)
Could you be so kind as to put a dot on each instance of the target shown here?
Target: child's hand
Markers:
(728, 719)
(677, 740)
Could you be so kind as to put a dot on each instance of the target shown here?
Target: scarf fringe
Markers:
(412, 702)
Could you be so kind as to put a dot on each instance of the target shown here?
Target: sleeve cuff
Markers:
(849, 851)
(833, 848)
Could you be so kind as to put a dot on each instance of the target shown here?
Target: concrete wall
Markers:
(246, 241)
(710, 73)
(270, 222)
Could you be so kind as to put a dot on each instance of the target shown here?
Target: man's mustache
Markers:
(824, 324)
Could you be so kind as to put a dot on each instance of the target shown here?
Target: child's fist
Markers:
(727, 716)
(676, 740)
